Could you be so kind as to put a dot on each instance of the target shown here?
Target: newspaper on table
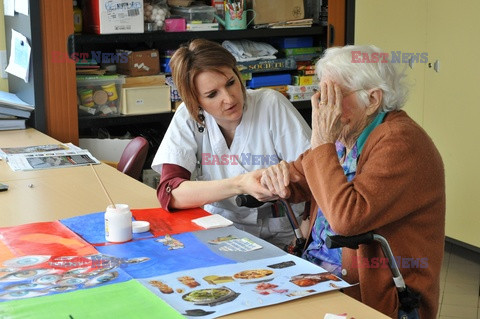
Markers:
(46, 156)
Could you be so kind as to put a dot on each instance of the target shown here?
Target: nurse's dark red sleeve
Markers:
(172, 176)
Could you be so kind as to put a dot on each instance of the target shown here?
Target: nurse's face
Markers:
(220, 94)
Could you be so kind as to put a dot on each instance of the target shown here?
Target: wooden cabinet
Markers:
(443, 97)
(59, 78)
(57, 29)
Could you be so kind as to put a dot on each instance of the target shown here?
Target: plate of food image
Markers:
(210, 296)
(253, 274)
(306, 280)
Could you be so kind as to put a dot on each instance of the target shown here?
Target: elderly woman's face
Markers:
(220, 94)
(354, 116)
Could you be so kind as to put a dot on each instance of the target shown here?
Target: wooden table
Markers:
(52, 194)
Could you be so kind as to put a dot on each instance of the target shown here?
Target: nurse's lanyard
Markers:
(199, 139)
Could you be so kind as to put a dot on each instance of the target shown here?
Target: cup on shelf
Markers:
(235, 19)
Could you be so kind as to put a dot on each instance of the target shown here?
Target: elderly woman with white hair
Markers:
(370, 168)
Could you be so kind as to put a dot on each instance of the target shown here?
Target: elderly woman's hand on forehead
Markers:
(326, 113)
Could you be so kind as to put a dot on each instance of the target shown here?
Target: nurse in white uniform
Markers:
(220, 138)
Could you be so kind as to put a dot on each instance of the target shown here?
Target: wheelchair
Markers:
(409, 299)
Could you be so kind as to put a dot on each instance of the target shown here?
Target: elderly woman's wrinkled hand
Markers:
(326, 114)
(250, 184)
(277, 178)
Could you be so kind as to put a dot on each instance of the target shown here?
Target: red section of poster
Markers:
(48, 238)
(163, 222)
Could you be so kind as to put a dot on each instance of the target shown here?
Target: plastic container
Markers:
(200, 13)
(293, 42)
(99, 95)
(118, 223)
(154, 14)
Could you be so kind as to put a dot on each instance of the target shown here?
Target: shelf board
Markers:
(86, 122)
(78, 40)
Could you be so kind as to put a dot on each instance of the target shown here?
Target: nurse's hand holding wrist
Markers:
(249, 183)
(326, 114)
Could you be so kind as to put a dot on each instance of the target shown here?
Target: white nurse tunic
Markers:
(271, 130)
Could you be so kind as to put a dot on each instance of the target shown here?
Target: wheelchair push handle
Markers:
(352, 242)
(248, 201)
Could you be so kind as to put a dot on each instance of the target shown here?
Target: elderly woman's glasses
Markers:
(344, 94)
(350, 92)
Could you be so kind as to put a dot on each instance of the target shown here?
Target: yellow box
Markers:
(146, 100)
(304, 79)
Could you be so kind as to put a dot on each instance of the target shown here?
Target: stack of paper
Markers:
(212, 221)
(301, 23)
(13, 111)
(46, 156)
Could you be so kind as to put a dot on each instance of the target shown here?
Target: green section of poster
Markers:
(124, 300)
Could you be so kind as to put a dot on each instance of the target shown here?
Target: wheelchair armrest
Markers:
(352, 242)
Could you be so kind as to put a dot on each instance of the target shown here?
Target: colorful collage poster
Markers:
(176, 269)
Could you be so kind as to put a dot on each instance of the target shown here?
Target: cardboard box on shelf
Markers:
(113, 16)
(140, 63)
(147, 80)
(146, 100)
(270, 11)
(267, 65)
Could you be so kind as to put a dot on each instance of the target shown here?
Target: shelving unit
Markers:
(170, 40)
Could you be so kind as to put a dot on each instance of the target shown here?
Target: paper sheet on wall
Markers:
(22, 6)
(19, 62)
(9, 7)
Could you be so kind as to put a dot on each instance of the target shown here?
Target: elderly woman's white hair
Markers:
(355, 68)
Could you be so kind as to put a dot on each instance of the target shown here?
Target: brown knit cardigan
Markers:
(398, 192)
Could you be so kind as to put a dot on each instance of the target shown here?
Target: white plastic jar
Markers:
(118, 223)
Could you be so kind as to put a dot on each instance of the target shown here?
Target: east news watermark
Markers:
(392, 57)
(240, 159)
(382, 262)
(84, 57)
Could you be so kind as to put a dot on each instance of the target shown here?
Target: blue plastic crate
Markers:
(293, 42)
